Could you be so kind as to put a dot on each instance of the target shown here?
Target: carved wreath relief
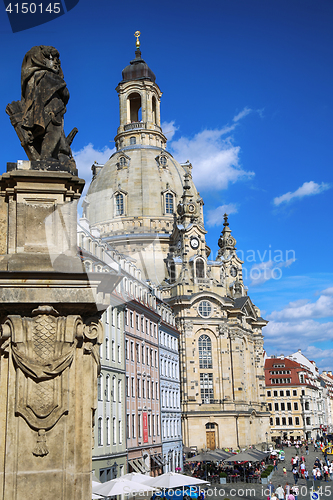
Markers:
(42, 348)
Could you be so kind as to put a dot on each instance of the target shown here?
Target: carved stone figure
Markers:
(38, 118)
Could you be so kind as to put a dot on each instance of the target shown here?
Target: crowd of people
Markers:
(322, 469)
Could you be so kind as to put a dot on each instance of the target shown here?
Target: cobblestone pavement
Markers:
(242, 490)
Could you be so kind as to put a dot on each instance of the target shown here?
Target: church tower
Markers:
(145, 204)
(133, 197)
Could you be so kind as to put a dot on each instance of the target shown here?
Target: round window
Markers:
(205, 308)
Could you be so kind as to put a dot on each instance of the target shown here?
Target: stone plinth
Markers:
(49, 340)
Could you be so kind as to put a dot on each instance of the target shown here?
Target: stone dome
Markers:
(128, 195)
(138, 69)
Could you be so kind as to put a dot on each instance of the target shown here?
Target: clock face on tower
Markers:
(194, 243)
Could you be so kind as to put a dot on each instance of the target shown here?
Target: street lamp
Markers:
(266, 434)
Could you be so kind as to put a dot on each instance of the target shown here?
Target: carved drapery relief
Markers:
(42, 348)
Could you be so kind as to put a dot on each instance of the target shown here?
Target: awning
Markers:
(139, 465)
(158, 459)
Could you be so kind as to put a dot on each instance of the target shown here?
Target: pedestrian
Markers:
(284, 471)
(306, 449)
(306, 475)
(331, 471)
(296, 475)
(291, 497)
(295, 491)
(275, 464)
(271, 488)
(279, 492)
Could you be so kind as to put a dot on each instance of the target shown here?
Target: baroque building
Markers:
(145, 204)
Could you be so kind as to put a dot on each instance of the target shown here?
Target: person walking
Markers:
(275, 465)
(279, 492)
(295, 491)
(306, 449)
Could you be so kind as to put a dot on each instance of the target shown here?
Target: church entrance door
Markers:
(210, 440)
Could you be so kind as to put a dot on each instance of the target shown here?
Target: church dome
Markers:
(136, 192)
(138, 69)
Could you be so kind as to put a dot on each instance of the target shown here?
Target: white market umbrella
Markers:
(121, 486)
(137, 477)
(95, 497)
(174, 480)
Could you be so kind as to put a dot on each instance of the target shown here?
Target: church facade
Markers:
(145, 205)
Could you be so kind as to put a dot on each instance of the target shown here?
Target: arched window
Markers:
(199, 268)
(134, 107)
(169, 203)
(205, 352)
(99, 432)
(108, 431)
(119, 204)
(107, 379)
(99, 388)
(154, 117)
(132, 140)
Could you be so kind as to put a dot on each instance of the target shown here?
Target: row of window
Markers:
(284, 421)
(281, 393)
(169, 369)
(145, 355)
(115, 389)
(170, 399)
(120, 200)
(282, 406)
(281, 380)
(168, 340)
(171, 428)
(280, 372)
(116, 431)
(147, 389)
(134, 426)
(146, 325)
(113, 350)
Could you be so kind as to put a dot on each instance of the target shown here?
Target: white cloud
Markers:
(215, 217)
(307, 189)
(215, 159)
(86, 156)
(242, 114)
(299, 310)
(169, 129)
(264, 271)
(295, 327)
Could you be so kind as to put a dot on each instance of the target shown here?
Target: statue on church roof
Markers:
(38, 118)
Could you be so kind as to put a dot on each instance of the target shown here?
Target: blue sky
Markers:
(247, 98)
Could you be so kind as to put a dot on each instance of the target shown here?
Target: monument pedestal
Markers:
(49, 340)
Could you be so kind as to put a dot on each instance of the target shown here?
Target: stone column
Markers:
(50, 332)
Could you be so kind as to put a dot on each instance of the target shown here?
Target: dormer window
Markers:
(122, 161)
(119, 204)
(169, 203)
(162, 160)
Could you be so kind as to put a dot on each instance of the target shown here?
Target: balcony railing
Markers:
(134, 126)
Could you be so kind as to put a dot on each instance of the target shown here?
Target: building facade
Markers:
(297, 397)
(145, 204)
(172, 445)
